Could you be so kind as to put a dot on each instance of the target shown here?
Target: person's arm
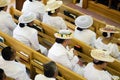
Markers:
(10, 23)
(34, 40)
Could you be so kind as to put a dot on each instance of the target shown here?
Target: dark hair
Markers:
(21, 25)
(7, 53)
(2, 74)
(50, 13)
(49, 69)
(1, 8)
(97, 62)
(105, 34)
(58, 40)
(31, 0)
(80, 29)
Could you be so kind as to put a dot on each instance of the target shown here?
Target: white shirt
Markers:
(60, 54)
(92, 73)
(37, 7)
(42, 77)
(14, 69)
(111, 47)
(29, 36)
(7, 24)
(86, 36)
(54, 21)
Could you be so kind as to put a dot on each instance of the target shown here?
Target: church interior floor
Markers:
(93, 14)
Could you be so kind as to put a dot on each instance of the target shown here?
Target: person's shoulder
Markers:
(39, 77)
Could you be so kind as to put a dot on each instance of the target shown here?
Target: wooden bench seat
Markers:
(49, 31)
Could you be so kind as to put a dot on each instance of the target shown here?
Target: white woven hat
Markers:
(109, 29)
(63, 34)
(84, 21)
(52, 5)
(27, 18)
(3, 3)
(101, 55)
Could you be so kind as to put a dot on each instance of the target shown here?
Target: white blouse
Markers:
(56, 22)
(7, 25)
(111, 47)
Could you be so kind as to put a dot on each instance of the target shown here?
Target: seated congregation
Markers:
(60, 52)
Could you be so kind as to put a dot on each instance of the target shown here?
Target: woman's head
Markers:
(3, 5)
(26, 20)
(53, 6)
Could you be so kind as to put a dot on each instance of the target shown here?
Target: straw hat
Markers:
(27, 18)
(109, 29)
(84, 21)
(101, 55)
(63, 34)
(3, 3)
(52, 5)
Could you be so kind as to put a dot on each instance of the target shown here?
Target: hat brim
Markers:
(98, 56)
(50, 7)
(4, 4)
(57, 35)
(108, 31)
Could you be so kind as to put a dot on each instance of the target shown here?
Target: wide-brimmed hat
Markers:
(52, 5)
(63, 34)
(27, 18)
(101, 55)
(3, 3)
(84, 21)
(109, 29)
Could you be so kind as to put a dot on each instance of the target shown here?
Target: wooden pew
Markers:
(86, 49)
(31, 55)
(37, 61)
(97, 24)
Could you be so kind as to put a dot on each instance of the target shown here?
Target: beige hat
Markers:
(84, 21)
(109, 29)
(63, 34)
(101, 55)
(52, 5)
(26, 18)
(3, 3)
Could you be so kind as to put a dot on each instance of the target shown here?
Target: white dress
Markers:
(111, 48)
(63, 56)
(86, 36)
(42, 77)
(7, 24)
(14, 69)
(56, 22)
(92, 73)
(36, 7)
(29, 37)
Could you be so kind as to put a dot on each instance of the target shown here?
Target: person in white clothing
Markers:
(82, 32)
(50, 72)
(25, 33)
(106, 41)
(96, 70)
(7, 24)
(13, 69)
(35, 6)
(51, 18)
(60, 52)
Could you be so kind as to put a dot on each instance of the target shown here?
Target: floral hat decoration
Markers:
(63, 34)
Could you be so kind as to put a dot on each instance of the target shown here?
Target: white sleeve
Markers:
(61, 23)
(64, 60)
(114, 50)
(34, 40)
(10, 23)
(93, 40)
(22, 75)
